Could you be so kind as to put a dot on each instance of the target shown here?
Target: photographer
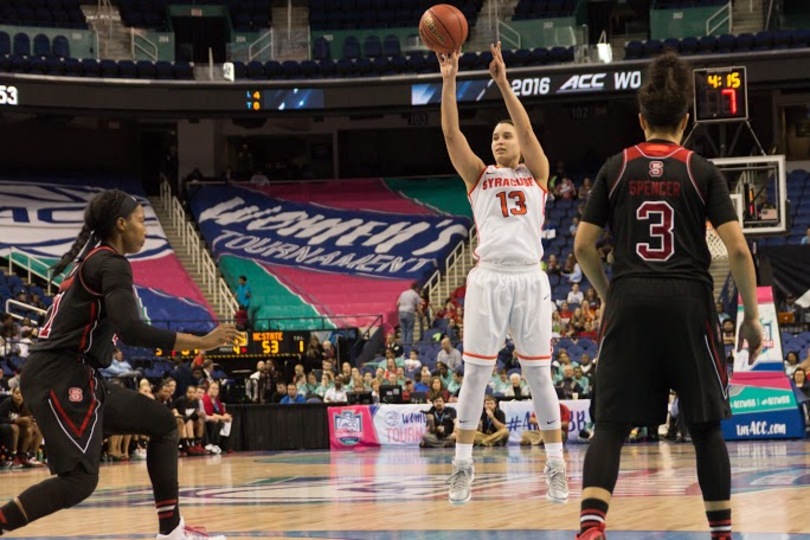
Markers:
(440, 426)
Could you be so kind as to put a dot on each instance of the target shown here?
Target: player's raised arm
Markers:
(533, 154)
(466, 163)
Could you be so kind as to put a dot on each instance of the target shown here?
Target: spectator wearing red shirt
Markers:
(217, 421)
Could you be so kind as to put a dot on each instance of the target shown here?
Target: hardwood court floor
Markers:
(399, 494)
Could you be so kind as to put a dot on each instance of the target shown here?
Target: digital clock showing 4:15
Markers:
(721, 94)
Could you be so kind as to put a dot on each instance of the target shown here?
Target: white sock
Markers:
(464, 452)
(554, 451)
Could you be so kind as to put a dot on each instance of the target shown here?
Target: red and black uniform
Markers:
(72, 406)
(660, 327)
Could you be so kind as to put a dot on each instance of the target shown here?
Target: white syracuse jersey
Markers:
(509, 209)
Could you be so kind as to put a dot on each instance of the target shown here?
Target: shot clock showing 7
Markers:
(721, 94)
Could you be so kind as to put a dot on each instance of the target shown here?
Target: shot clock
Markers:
(721, 94)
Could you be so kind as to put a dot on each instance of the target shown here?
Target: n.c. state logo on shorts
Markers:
(75, 395)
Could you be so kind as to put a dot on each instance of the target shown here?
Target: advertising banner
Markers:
(771, 358)
(763, 406)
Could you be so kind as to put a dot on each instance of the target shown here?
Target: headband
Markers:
(129, 204)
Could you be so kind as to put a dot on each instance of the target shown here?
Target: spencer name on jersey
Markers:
(490, 183)
(509, 208)
(655, 198)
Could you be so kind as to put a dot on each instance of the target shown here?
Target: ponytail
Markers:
(100, 217)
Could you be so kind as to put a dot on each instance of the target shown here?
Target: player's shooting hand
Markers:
(449, 63)
(497, 68)
(224, 334)
(751, 331)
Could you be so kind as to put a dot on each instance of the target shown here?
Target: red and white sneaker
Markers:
(183, 532)
(594, 533)
(32, 463)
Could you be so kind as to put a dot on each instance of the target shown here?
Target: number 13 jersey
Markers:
(509, 209)
(656, 197)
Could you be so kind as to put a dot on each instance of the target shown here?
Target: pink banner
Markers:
(167, 274)
(351, 427)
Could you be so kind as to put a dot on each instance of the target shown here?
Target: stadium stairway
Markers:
(114, 40)
(183, 254)
(292, 43)
(747, 17)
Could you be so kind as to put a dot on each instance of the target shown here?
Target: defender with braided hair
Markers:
(74, 409)
(656, 197)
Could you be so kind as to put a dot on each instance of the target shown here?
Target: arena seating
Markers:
(365, 14)
(48, 13)
(543, 9)
(724, 44)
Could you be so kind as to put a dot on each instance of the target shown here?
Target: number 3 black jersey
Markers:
(95, 304)
(656, 198)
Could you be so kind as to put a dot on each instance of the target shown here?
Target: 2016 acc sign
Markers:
(578, 82)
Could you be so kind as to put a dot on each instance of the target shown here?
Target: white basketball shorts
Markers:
(501, 299)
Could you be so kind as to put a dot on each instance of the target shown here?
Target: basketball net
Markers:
(716, 246)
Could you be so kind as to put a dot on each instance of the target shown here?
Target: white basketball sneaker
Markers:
(556, 481)
(461, 481)
(182, 532)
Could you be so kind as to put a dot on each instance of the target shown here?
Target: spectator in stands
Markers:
(721, 312)
(367, 378)
(593, 299)
(28, 438)
(572, 230)
(587, 312)
(254, 385)
(438, 389)
(455, 385)
(534, 436)
(293, 396)
(401, 375)
(556, 325)
(791, 363)
(499, 381)
(583, 381)
(565, 312)
(572, 269)
(329, 352)
(728, 332)
(553, 266)
(313, 356)
(120, 368)
(326, 384)
(280, 392)
(408, 305)
(585, 189)
(391, 344)
(806, 238)
(375, 391)
(24, 343)
(241, 318)
(413, 363)
(517, 387)
(448, 355)
(424, 313)
(145, 388)
(492, 430)
(790, 306)
(190, 423)
(217, 421)
(575, 296)
(443, 372)
(311, 385)
(556, 176)
(589, 331)
(336, 394)
(440, 423)
(164, 395)
(577, 321)
(452, 330)
(328, 366)
(457, 296)
(243, 292)
(418, 385)
(800, 380)
(568, 388)
(182, 374)
(566, 189)
(14, 381)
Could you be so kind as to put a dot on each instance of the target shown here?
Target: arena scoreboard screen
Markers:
(721, 94)
(255, 344)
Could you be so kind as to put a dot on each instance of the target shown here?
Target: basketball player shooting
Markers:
(61, 384)
(507, 290)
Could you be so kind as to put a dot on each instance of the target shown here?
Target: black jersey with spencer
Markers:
(656, 197)
(96, 303)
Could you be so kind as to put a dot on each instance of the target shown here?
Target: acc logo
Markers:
(75, 395)
(656, 168)
(586, 81)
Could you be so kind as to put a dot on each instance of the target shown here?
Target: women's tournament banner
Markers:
(358, 426)
(246, 223)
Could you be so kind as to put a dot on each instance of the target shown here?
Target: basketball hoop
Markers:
(716, 246)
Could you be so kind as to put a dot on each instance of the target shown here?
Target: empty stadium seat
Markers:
(351, 48)
(22, 44)
(61, 47)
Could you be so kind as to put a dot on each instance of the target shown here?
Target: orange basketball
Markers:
(443, 28)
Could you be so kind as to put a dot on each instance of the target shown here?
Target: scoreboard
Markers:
(286, 344)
